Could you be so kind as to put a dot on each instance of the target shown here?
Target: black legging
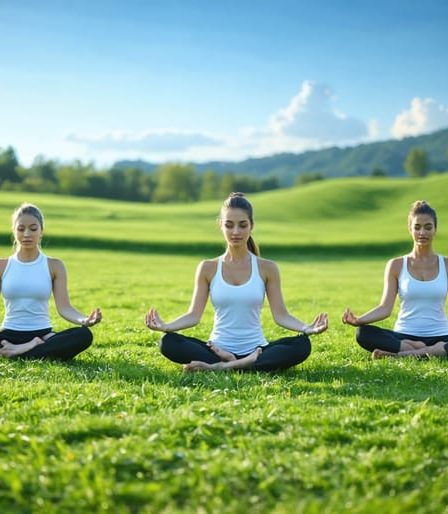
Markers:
(371, 337)
(62, 346)
(278, 355)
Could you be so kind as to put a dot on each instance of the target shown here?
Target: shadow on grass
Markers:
(203, 249)
(381, 380)
(393, 380)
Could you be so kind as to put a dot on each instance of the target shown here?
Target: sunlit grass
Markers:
(123, 430)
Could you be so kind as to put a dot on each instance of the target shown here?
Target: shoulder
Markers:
(394, 265)
(3, 263)
(56, 266)
(207, 268)
(268, 269)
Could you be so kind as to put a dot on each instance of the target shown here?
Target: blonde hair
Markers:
(26, 208)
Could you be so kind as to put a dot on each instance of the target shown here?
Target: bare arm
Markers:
(279, 311)
(384, 308)
(192, 317)
(3, 263)
(62, 299)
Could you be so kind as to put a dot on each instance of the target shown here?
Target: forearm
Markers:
(290, 322)
(187, 320)
(377, 314)
(71, 314)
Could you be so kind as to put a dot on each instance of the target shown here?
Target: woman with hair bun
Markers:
(420, 280)
(27, 280)
(237, 283)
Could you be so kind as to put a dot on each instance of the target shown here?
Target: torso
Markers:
(422, 286)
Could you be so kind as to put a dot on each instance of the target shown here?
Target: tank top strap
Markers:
(255, 273)
(404, 267)
(442, 267)
(218, 274)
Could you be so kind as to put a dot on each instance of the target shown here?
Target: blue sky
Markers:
(203, 80)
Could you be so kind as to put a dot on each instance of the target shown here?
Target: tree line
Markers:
(171, 182)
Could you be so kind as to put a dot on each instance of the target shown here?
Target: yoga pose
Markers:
(420, 280)
(27, 280)
(237, 282)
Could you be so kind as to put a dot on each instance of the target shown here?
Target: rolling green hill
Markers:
(334, 216)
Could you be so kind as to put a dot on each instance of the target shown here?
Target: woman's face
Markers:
(27, 231)
(422, 229)
(236, 227)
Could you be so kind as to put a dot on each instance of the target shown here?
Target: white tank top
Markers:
(422, 309)
(237, 326)
(26, 289)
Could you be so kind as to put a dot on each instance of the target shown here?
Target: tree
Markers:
(73, 179)
(210, 185)
(310, 176)
(8, 166)
(176, 183)
(416, 163)
(378, 172)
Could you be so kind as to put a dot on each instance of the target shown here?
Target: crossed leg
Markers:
(436, 350)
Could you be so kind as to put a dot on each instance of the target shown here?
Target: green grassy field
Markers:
(122, 430)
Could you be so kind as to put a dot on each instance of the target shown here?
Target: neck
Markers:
(236, 254)
(422, 251)
(28, 254)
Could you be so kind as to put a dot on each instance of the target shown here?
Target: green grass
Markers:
(123, 430)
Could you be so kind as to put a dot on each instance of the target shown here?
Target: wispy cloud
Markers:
(309, 121)
(424, 115)
(165, 141)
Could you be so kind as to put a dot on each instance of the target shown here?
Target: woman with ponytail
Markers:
(420, 280)
(237, 282)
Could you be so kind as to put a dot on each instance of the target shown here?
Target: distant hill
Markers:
(358, 160)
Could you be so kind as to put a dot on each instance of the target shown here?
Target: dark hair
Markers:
(239, 201)
(422, 207)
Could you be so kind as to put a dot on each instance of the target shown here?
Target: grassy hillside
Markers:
(332, 214)
(122, 430)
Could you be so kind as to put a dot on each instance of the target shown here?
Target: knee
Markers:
(363, 337)
(305, 347)
(167, 342)
(85, 335)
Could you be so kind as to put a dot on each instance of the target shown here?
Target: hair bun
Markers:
(236, 195)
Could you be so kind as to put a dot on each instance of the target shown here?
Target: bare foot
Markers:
(8, 349)
(382, 354)
(222, 354)
(245, 362)
(202, 366)
(409, 344)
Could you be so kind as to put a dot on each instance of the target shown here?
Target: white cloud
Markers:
(311, 116)
(374, 129)
(157, 141)
(424, 115)
(308, 122)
